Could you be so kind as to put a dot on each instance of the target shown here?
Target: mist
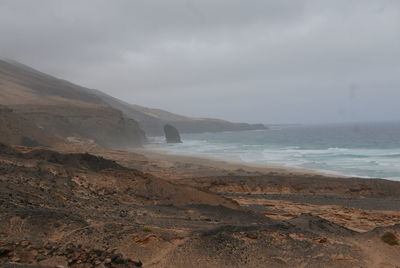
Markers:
(262, 61)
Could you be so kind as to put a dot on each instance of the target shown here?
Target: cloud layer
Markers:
(258, 61)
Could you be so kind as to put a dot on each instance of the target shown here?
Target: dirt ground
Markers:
(109, 208)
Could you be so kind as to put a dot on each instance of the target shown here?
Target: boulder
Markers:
(172, 134)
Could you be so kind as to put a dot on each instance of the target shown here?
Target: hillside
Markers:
(153, 120)
(15, 129)
(21, 85)
(54, 106)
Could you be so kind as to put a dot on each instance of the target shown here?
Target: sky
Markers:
(281, 61)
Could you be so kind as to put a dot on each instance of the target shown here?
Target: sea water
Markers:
(370, 150)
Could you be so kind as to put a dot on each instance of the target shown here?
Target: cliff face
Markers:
(105, 125)
(53, 106)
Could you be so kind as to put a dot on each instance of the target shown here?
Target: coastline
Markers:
(336, 151)
(162, 155)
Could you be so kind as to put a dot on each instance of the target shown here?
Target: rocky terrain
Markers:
(61, 207)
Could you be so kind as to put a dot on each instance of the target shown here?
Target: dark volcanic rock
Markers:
(81, 160)
(171, 134)
(25, 141)
(7, 150)
(319, 225)
(75, 254)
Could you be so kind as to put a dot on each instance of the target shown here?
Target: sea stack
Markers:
(172, 134)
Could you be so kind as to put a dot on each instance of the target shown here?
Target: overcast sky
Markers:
(281, 61)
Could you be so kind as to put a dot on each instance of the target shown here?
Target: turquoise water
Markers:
(366, 150)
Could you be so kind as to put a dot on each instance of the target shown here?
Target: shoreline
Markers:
(155, 154)
(332, 159)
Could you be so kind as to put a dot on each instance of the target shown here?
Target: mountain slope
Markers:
(153, 120)
(63, 109)
(21, 85)
(15, 129)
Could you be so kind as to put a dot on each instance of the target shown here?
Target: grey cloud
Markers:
(278, 61)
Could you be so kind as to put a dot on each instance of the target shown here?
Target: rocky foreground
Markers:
(119, 209)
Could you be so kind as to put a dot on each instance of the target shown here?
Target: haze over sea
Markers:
(370, 150)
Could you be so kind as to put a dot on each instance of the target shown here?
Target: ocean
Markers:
(370, 150)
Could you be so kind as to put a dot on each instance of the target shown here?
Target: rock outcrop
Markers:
(172, 134)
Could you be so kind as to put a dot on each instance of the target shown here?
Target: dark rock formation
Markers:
(26, 141)
(172, 134)
(78, 160)
(7, 150)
